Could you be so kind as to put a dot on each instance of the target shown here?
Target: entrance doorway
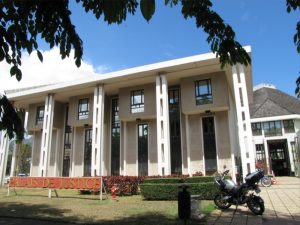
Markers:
(279, 158)
(209, 139)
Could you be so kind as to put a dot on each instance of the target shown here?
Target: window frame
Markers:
(290, 128)
(137, 107)
(256, 130)
(203, 98)
(277, 131)
(83, 114)
(38, 119)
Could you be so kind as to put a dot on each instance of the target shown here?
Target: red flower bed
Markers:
(127, 185)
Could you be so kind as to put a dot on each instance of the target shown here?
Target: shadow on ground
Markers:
(24, 214)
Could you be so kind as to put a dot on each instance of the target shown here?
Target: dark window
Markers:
(272, 128)
(87, 152)
(115, 138)
(256, 129)
(40, 114)
(83, 109)
(137, 101)
(68, 136)
(203, 92)
(210, 153)
(67, 146)
(288, 126)
(143, 150)
(175, 139)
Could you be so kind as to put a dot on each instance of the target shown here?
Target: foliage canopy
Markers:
(23, 22)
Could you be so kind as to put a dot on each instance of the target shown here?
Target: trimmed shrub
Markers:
(199, 179)
(206, 190)
(184, 179)
(159, 191)
(163, 180)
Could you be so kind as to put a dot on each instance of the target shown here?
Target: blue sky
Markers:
(264, 25)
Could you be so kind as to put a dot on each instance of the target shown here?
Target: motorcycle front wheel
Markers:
(220, 202)
(266, 181)
(256, 205)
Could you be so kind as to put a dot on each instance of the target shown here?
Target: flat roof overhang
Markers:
(173, 69)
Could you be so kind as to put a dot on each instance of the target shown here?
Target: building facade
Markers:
(176, 117)
(275, 121)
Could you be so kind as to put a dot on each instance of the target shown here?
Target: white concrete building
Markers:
(275, 121)
(180, 116)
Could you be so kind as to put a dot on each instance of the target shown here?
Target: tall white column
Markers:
(97, 144)
(4, 144)
(72, 156)
(57, 155)
(32, 152)
(46, 135)
(243, 119)
(188, 146)
(163, 136)
(14, 160)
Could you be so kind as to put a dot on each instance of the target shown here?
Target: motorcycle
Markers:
(230, 193)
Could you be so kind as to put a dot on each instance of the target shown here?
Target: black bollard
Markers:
(184, 203)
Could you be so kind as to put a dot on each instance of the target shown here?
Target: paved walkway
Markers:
(282, 206)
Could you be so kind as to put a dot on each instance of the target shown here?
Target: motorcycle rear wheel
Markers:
(220, 202)
(256, 206)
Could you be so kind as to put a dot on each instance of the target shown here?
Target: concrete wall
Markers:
(73, 111)
(152, 148)
(196, 143)
(131, 148)
(31, 124)
(223, 141)
(52, 154)
(184, 144)
(35, 157)
(197, 146)
(132, 145)
(58, 117)
(78, 151)
(149, 103)
(219, 92)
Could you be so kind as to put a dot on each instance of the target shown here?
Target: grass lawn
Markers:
(73, 207)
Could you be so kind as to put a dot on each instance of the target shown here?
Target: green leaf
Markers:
(13, 70)
(147, 8)
(18, 74)
(39, 54)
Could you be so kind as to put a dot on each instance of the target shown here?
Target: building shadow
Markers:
(23, 214)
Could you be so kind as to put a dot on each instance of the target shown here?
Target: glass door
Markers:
(87, 153)
(209, 140)
(175, 137)
(143, 149)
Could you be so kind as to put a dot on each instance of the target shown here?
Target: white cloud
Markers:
(52, 70)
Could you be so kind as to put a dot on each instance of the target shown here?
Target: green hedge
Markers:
(177, 180)
(163, 180)
(206, 190)
(200, 179)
